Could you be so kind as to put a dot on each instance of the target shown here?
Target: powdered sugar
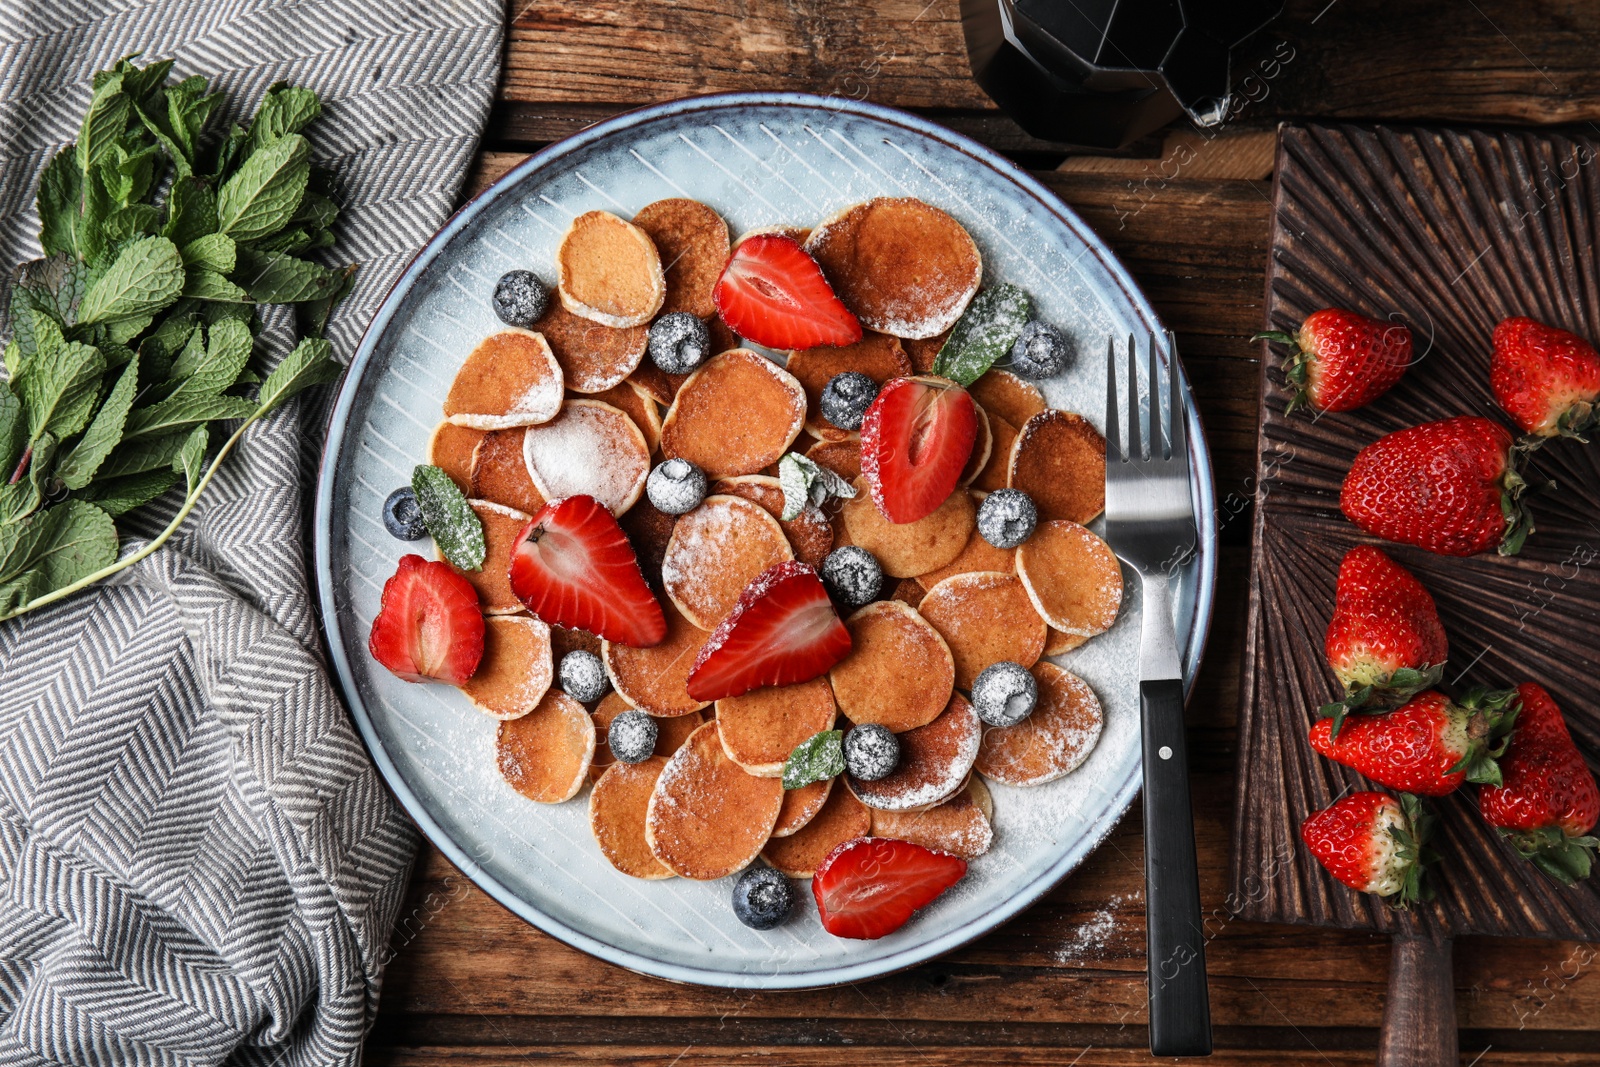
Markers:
(591, 449)
(1089, 939)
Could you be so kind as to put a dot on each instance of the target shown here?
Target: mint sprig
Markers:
(450, 520)
(818, 757)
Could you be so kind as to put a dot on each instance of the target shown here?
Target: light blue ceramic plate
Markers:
(759, 159)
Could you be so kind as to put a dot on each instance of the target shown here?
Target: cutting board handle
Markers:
(1419, 1016)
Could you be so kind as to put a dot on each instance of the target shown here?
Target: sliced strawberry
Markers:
(869, 887)
(573, 566)
(773, 293)
(782, 631)
(429, 626)
(915, 442)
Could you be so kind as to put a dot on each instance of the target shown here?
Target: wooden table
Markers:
(1063, 983)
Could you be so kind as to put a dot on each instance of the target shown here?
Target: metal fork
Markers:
(1150, 525)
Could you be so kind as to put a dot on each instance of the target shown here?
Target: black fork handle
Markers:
(1180, 1009)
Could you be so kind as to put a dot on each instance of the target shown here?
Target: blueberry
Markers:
(852, 576)
(1006, 518)
(1004, 694)
(402, 516)
(846, 398)
(632, 737)
(583, 676)
(762, 898)
(679, 342)
(871, 752)
(520, 298)
(1039, 351)
(676, 486)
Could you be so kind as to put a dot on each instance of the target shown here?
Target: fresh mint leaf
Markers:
(182, 412)
(53, 285)
(191, 211)
(214, 251)
(261, 196)
(20, 590)
(143, 85)
(316, 212)
(208, 370)
(279, 278)
(93, 246)
(312, 315)
(78, 466)
(21, 544)
(134, 220)
(177, 154)
(820, 756)
(984, 333)
(123, 331)
(21, 498)
(78, 540)
(310, 363)
(118, 496)
(285, 109)
(146, 277)
(230, 151)
(191, 458)
(137, 457)
(103, 123)
(807, 484)
(208, 285)
(60, 190)
(455, 527)
(13, 428)
(59, 387)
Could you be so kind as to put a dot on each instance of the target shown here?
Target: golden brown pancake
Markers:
(924, 351)
(563, 640)
(671, 733)
(657, 383)
(450, 449)
(982, 449)
(843, 818)
(545, 754)
(960, 826)
(707, 817)
(899, 671)
(797, 234)
(1056, 642)
(590, 448)
(1072, 577)
(934, 761)
(877, 355)
(1003, 394)
(810, 533)
(501, 525)
(996, 472)
(515, 671)
(639, 406)
(761, 728)
(723, 339)
(656, 679)
(801, 805)
(985, 618)
(909, 592)
(735, 415)
(715, 551)
(841, 457)
(978, 555)
(901, 265)
(617, 808)
(1059, 460)
(693, 242)
(499, 473)
(609, 271)
(649, 530)
(593, 357)
(908, 549)
(510, 379)
(1051, 742)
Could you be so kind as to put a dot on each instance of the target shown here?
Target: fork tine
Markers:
(1158, 433)
(1179, 432)
(1114, 450)
(1136, 441)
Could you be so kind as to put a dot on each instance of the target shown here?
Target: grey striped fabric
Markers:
(198, 862)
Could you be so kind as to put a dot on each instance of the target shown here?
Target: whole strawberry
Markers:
(1546, 379)
(1385, 642)
(1547, 802)
(1428, 746)
(1448, 486)
(1373, 843)
(1340, 361)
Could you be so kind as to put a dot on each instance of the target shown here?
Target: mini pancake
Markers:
(899, 671)
(450, 449)
(649, 530)
(618, 805)
(656, 679)
(657, 383)
(810, 533)
(924, 351)
(934, 761)
(960, 826)
(590, 448)
(707, 817)
(996, 472)
(1054, 740)
(692, 240)
(499, 473)
(593, 357)
(1072, 577)
(800, 806)
(510, 379)
(877, 355)
(908, 549)
(843, 818)
(797, 234)
(516, 669)
(762, 727)
(715, 551)
(735, 415)
(978, 555)
(545, 754)
(1003, 394)
(609, 271)
(985, 618)
(982, 449)
(639, 406)
(1059, 460)
(1056, 642)
(563, 640)
(841, 457)
(501, 525)
(670, 733)
(901, 265)
(909, 592)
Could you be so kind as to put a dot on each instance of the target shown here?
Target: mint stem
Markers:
(22, 466)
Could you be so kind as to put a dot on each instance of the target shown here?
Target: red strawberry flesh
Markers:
(573, 566)
(916, 439)
(783, 631)
(429, 626)
(773, 293)
(869, 887)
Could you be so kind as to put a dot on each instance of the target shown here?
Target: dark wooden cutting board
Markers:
(1449, 231)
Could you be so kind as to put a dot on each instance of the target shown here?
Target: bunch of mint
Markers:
(135, 334)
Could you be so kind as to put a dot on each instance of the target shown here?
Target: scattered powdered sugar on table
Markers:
(1089, 939)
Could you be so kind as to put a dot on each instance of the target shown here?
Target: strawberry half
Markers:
(916, 439)
(429, 626)
(869, 887)
(573, 566)
(773, 293)
(783, 631)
